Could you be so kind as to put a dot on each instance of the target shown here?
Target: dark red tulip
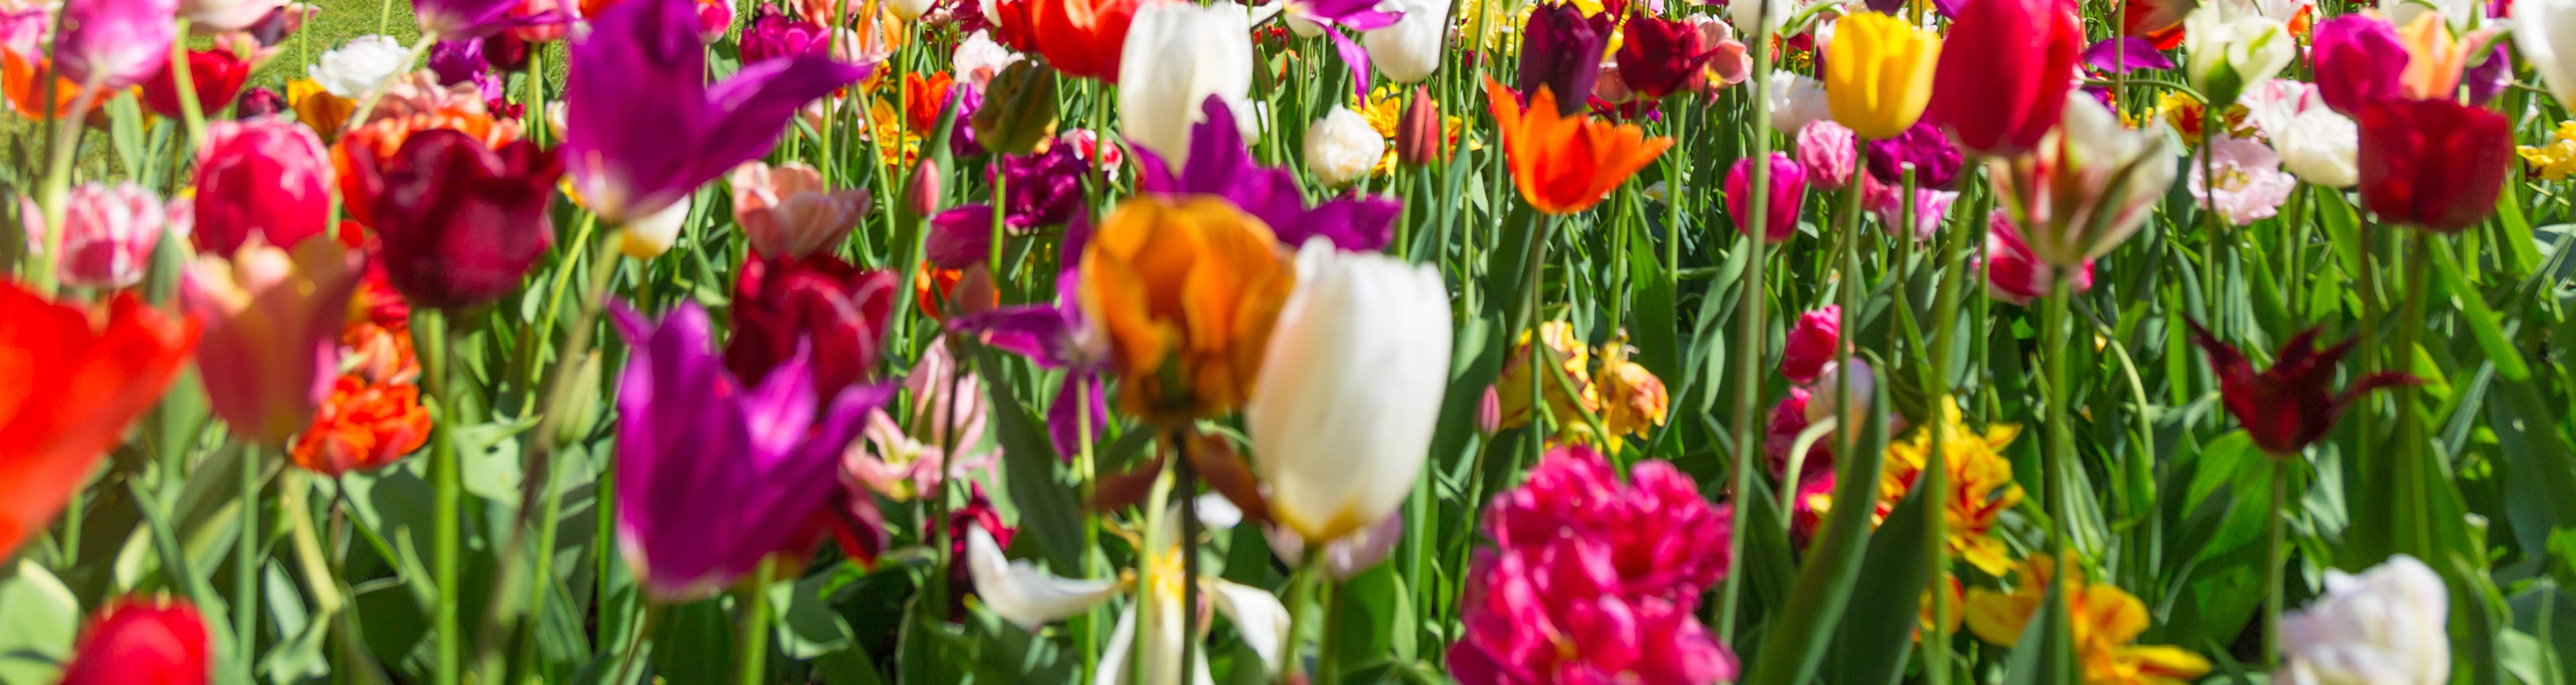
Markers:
(1660, 56)
(835, 311)
(2358, 62)
(218, 76)
(2433, 164)
(1561, 50)
(267, 177)
(2293, 403)
(460, 223)
(142, 642)
(2004, 73)
(260, 102)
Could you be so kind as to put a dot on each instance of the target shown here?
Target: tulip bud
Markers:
(960, 237)
(1419, 137)
(1018, 109)
(581, 413)
(1489, 412)
(922, 195)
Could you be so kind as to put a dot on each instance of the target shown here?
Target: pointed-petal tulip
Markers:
(2433, 164)
(462, 222)
(273, 323)
(69, 384)
(1561, 53)
(715, 474)
(1342, 414)
(1659, 57)
(2088, 187)
(2435, 58)
(644, 56)
(786, 210)
(2358, 61)
(1878, 73)
(2231, 49)
(2292, 404)
(1788, 188)
(1020, 593)
(1220, 164)
(2004, 74)
(267, 177)
(1084, 38)
(1563, 164)
(143, 642)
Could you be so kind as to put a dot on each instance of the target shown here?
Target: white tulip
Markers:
(1300, 25)
(1409, 50)
(2461, 14)
(224, 16)
(1341, 147)
(2383, 627)
(652, 235)
(359, 66)
(1020, 593)
(1748, 12)
(1341, 414)
(1794, 100)
(2117, 173)
(909, 10)
(2231, 48)
(2541, 28)
(2320, 147)
(1821, 398)
(1177, 55)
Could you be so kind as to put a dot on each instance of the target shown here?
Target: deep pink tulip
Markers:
(268, 177)
(2358, 61)
(1811, 344)
(2014, 274)
(272, 329)
(112, 44)
(2004, 73)
(143, 642)
(1788, 187)
(461, 222)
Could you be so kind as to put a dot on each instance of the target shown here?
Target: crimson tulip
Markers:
(69, 384)
(2433, 164)
(268, 177)
(217, 74)
(781, 305)
(1014, 23)
(2292, 404)
(1083, 38)
(1660, 56)
(143, 642)
(2358, 61)
(460, 222)
(1561, 51)
(2004, 73)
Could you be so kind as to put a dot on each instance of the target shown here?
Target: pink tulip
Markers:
(108, 234)
(271, 344)
(2016, 275)
(112, 44)
(1826, 150)
(1788, 187)
(267, 177)
(1811, 344)
(788, 212)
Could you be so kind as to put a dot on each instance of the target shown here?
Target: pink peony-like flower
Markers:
(1827, 152)
(1811, 344)
(108, 233)
(2251, 185)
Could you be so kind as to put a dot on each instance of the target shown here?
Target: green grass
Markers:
(339, 21)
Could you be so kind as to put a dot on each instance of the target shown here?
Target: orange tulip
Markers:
(363, 426)
(26, 90)
(68, 387)
(922, 100)
(1566, 164)
(1082, 38)
(1187, 291)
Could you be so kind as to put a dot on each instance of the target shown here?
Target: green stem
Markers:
(1328, 657)
(1750, 331)
(447, 477)
(754, 655)
(2409, 441)
(58, 184)
(191, 112)
(246, 561)
(1301, 592)
(2276, 556)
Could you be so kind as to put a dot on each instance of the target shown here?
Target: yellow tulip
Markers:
(1878, 73)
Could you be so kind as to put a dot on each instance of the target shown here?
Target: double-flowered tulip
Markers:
(1187, 291)
(461, 222)
(108, 233)
(1566, 164)
(2005, 72)
(107, 45)
(267, 177)
(272, 341)
(2433, 164)
(1878, 73)
(69, 383)
(783, 306)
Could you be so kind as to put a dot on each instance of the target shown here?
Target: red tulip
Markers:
(68, 387)
(1660, 57)
(2293, 403)
(819, 302)
(2433, 164)
(1083, 38)
(1014, 23)
(460, 222)
(268, 177)
(2004, 73)
(143, 642)
(217, 74)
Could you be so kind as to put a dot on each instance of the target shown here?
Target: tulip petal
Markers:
(1020, 593)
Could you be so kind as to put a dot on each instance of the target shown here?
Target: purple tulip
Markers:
(960, 237)
(1335, 16)
(456, 19)
(714, 476)
(109, 45)
(2489, 78)
(1219, 164)
(1936, 162)
(642, 127)
(2358, 61)
(1561, 49)
(461, 61)
(1045, 189)
(2121, 55)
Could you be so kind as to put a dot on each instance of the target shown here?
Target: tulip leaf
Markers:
(1046, 504)
(38, 617)
(1655, 315)
(1377, 618)
(2221, 581)
(1878, 631)
(2474, 311)
(2538, 467)
(1795, 645)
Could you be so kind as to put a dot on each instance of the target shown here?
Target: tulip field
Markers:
(1311, 342)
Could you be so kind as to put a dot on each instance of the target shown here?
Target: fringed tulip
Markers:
(271, 348)
(716, 473)
(1659, 57)
(1187, 292)
(113, 44)
(1045, 189)
(1221, 165)
(1342, 413)
(2005, 73)
(108, 234)
(2433, 164)
(267, 177)
(787, 211)
(2358, 62)
(461, 222)
(216, 73)
(2088, 187)
(783, 306)
(143, 642)
(1788, 188)
(1878, 73)
(644, 56)
(1561, 53)
(1178, 56)
(2387, 625)
(69, 383)
(1563, 164)
(1084, 38)
(2293, 403)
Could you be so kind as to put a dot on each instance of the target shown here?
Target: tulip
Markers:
(266, 177)
(143, 642)
(227, 16)
(462, 222)
(772, 35)
(1405, 47)
(786, 211)
(1342, 412)
(72, 388)
(1561, 53)
(909, 10)
(979, 59)
(1044, 189)
(1929, 207)
(1419, 139)
(1795, 101)
(1088, 38)
(2088, 187)
(273, 322)
(2015, 275)
(2159, 21)
(2358, 61)
(782, 305)
(1179, 55)
(627, 167)
(108, 234)
(1222, 166)
(1575, 397)
(216, 73)
(1828, 153)
(461, 61)
(1788, 187)
(1633, 400)
(1660, 57)
(2292, 404)
(1341, 147)
(360, 66)
(2000, 83)
(2544, 31)
(362, 426)
(1184, 357)
(1610, 87)
(1053, 336)
(2433, 164)
(1773, 13)
(902, 460)
(1019, 109)
(2387, 625)
(1935, 161)
(258, 102)
(467, 19)
(1410, 49)
(1014, 22)
(2125, 55)
(1732, 61)
(1811, 343)
(2316, 144)
(113, 44)
(1828, 391)
(1562, 164)
(1878, 73)
(2250, 184)
(2109, 617)
(2231, 50)
(714, 470)
(318, 109)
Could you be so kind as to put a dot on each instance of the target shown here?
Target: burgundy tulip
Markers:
(1660, 57)
(2433, 164)
(2004, 73)
(218, 76)
(269, 177)
(142, 642)
(2358, 61)
(2292, 404)
(819, 302)
(461, 223)
(1561, 50)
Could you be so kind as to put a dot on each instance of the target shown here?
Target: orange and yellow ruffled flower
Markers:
(1187, 291)
(2106, 620)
